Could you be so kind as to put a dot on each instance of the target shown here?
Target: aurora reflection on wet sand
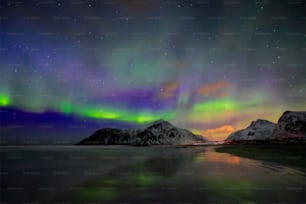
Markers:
(112, 174)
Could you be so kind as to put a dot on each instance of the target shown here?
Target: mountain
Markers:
(257, 130)
(291, 125)
(157, 133)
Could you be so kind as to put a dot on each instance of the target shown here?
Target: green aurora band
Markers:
(216, 105)
(109, 113)
(4, 100)
(113, 113)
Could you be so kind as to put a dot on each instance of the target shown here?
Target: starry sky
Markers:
(209, 66)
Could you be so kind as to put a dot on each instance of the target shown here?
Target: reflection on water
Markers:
(143, 174)
(211, 156)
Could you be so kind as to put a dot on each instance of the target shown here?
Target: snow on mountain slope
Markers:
(159, 132)
(291, 125)
(257, 130)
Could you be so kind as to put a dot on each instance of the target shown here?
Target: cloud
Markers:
(224, 128)
(218, 133)
(169, 89)
(217, 89)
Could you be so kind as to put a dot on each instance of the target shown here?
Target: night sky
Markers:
(209, 66)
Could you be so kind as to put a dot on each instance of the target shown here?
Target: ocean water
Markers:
(125, 174)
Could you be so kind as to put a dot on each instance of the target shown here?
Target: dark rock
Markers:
(291, 125)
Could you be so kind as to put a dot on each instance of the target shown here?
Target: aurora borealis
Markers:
(208, 66)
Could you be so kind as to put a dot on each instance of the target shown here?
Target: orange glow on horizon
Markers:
(219, 133)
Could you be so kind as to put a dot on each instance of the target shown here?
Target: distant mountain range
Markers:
(290, 126)
(160, 132)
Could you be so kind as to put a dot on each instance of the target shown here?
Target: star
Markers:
(163, 53)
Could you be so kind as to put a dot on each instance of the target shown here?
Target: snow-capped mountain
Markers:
(292, 124)
(257, 130)
(159, 132)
